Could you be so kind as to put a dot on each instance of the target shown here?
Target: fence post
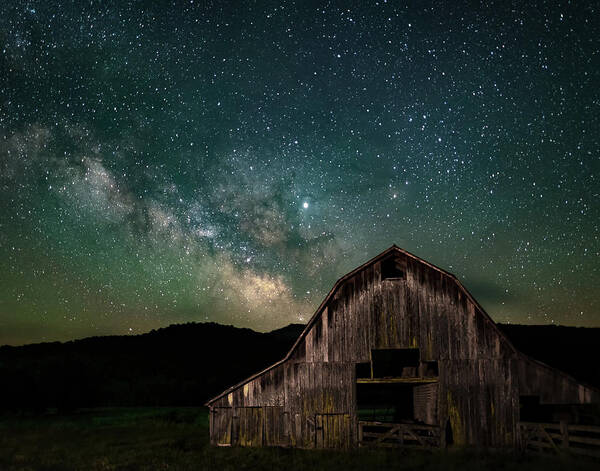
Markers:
(564, 431)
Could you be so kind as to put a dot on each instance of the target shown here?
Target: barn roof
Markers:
(393, 249)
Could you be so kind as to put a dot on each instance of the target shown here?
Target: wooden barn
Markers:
(398, 353)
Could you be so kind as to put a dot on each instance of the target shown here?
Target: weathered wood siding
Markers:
(479, 398)
(480, 374)
(427, 310)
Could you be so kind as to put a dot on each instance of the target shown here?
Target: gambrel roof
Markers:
(394, 249)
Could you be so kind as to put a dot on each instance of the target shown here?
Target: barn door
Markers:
(248, 426)
(221, 426)
(260, 426)
(332, 431)
(275, 426)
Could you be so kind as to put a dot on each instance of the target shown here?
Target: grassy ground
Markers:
(177, 439)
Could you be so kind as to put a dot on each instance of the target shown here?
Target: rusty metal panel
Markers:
(425, 401)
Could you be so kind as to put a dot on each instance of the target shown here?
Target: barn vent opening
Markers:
(395, 362)
(392, 269)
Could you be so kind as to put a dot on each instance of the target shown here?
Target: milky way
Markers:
(168, 162)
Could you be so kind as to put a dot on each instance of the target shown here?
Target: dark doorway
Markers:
(530, 409)
(385, 402)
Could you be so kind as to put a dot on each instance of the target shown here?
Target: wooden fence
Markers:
(398, 435)
(561, 437)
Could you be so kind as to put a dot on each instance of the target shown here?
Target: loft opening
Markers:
(393, 269)
(395, 362)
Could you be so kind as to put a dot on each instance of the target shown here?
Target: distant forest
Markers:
(186, 364)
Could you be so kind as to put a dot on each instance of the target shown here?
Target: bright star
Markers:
(305, 205)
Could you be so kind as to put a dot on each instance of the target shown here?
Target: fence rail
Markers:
(561, 437)
(382, 434)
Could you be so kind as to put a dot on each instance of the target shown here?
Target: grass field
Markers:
(177, 439)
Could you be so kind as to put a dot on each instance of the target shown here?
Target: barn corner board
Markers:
(398, 353)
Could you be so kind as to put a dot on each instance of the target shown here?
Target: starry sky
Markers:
(167, 162)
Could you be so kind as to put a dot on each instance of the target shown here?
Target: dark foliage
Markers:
(574, 350)
(178, 365)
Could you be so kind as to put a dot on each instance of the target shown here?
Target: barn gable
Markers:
(396, 334)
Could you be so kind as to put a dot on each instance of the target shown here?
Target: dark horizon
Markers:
(195, 323)
(215, 163)
(136, 334)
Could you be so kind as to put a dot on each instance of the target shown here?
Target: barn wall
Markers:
(480, 401)
(316, 388)
(300, 389)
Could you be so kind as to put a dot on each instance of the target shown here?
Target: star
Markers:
(153, 171)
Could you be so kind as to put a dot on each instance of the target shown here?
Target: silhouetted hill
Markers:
(178, 365)
(187, 364)
(289, 332)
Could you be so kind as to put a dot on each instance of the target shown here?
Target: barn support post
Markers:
(360, 434)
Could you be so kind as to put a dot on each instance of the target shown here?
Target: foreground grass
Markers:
(177, 439)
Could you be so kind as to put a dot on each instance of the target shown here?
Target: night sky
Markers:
(167, 162)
